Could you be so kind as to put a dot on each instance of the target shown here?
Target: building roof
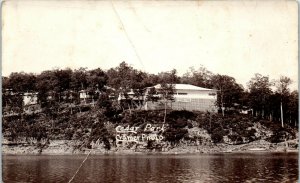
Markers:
(131, 92)
(30, 93)
(109, 88)
(185, 87)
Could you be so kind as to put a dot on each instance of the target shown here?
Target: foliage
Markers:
(20, 82)
(99, 132)
(79, 79)
(64, 117)
(96, 79)
(217, 135)
(201, 77)
(174, 135)
(168, 77)
(229, 92)
(281, 134)
(125, 77)
(260, 93)
(181, 114)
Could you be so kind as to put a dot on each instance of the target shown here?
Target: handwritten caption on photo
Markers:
(148, 133)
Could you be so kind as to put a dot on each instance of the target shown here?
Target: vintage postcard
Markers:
(150, 91)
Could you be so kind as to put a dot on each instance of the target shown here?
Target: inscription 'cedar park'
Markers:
(148, 133)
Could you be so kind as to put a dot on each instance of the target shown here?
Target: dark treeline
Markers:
(258, 96)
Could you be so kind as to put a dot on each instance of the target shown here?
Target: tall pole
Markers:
(281, 111)
(165, 108)
(223, 108)
(222, 102)
(210, 121)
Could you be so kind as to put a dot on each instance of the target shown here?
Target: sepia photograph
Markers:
(118, 91)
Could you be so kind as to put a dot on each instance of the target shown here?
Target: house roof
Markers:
(109, 88)
(30, 93)
(185, 87)
(131, 92)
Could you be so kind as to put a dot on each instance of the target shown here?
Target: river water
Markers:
(226, 167)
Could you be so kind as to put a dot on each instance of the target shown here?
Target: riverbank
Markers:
(66, 147)
(142, 132)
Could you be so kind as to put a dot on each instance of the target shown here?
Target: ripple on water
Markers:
(153, 168)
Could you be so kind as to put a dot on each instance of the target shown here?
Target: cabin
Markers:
(30, 98)
(186, 97)
(133, 98)
(88, 97)
(30, 103)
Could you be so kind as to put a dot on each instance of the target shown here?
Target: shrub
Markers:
(174, 135)
(69, 133)
(179, 123)
(217, 135)
(233, 137)
(181, 114)
(250, 134)
(280, 135)
(190, 124)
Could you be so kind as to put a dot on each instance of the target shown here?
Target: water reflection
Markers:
(260, 167)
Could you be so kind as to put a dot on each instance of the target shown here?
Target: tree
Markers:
(48, 85)
(63, 80)
(12, 102)
(167, 92)
(283, 90)
(51, 85)
(150, 80)
(97, 79)
(12, 98)
(5, 83)
(124, 79)
(201, 77)
(293, 107)
(272, 105)
(120, 77)
(44, 85)
(164, 93)
(79, 79)
(21, 82)
(244, 99)
(229, 92)
(260, 92)
(168, 77)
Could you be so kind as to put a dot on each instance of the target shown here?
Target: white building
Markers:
(30, 99)
(187, 97)
(30, 103)
(83, 95)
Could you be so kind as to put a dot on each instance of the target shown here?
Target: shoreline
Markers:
(64, 147)
(148, 153)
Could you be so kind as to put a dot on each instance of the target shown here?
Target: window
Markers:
(181, 93)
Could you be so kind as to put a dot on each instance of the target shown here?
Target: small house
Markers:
(89, 97)
(30, 99)
(30, 103)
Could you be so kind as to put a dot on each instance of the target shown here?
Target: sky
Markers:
(236, 38)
